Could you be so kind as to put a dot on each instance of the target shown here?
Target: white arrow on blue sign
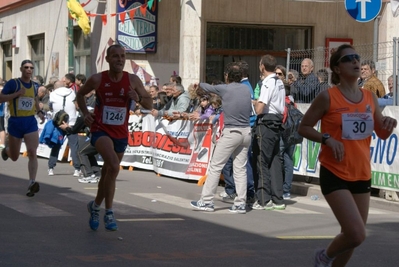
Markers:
(363, 10)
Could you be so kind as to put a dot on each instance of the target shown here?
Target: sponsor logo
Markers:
(359, 115)
(159, 141)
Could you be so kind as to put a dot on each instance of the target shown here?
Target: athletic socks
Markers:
(95, 206)
(108, 210)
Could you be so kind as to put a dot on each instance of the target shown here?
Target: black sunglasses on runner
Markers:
(349, 58)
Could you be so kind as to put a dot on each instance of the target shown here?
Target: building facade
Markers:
(193, 38)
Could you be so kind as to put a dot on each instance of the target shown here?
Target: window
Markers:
(257, 37)
(7, 60)
(37, 53)
(232, 42)
(81, 52)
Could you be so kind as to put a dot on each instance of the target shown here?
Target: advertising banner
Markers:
(182, 149)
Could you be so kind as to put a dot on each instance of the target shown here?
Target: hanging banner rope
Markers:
(121, 15)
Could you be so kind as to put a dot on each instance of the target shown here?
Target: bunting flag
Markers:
(150, 4)
(395, 7)
(143, 9)
(131, 14)
(122, 17)
(78, 13)
(104, 19)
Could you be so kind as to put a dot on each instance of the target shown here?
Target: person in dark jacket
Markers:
(87, 153)
(306, 87)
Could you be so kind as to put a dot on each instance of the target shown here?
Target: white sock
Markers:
(95, 206)
(324, 258)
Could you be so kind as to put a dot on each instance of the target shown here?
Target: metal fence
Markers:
(384, 55)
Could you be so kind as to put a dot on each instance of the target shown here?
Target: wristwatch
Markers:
(324, 138)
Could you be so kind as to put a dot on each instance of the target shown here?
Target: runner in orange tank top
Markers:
(348, 115)
(357, 120)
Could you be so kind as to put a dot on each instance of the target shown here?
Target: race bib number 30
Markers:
(114, 115)
(25, 103)
(357, 126)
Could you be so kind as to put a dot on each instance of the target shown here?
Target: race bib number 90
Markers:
(25, 103)
(357, 126)
(114, 115)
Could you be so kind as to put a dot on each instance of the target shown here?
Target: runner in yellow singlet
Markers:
(21, 95)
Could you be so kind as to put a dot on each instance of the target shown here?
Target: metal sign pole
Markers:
(288, 62)
(395, 71)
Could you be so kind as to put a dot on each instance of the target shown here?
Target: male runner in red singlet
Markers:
(115, 90)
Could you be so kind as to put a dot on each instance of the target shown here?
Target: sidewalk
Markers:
(300, 187)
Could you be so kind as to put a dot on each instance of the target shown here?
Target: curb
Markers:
(308, 189)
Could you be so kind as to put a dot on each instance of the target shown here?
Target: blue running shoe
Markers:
(94, 220)
(110, 222)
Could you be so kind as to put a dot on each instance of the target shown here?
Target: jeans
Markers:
(287, 160)
(52, 161)
(74, 147)
(227, 172)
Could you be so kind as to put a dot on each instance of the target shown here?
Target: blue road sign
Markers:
(363, 10)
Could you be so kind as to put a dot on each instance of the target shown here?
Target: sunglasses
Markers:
(27, 67)
(349, 58)
(279, 73)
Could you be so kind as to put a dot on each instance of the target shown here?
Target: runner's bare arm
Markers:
(383, 125)
(317, 109)
(91, 84)
(39, 111)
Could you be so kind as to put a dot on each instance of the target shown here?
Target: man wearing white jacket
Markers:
(57, 103)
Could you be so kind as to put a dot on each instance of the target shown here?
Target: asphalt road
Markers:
(157, 226)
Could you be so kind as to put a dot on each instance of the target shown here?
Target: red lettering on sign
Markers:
(160, 141)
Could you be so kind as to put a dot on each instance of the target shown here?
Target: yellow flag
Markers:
(78, 13)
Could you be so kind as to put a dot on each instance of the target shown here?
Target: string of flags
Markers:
(78, 13)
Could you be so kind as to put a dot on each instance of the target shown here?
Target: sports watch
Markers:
(324, 138)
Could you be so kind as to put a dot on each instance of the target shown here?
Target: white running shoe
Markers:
(50, 172)
(88, 180)
(77, 173)
(223, 194)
